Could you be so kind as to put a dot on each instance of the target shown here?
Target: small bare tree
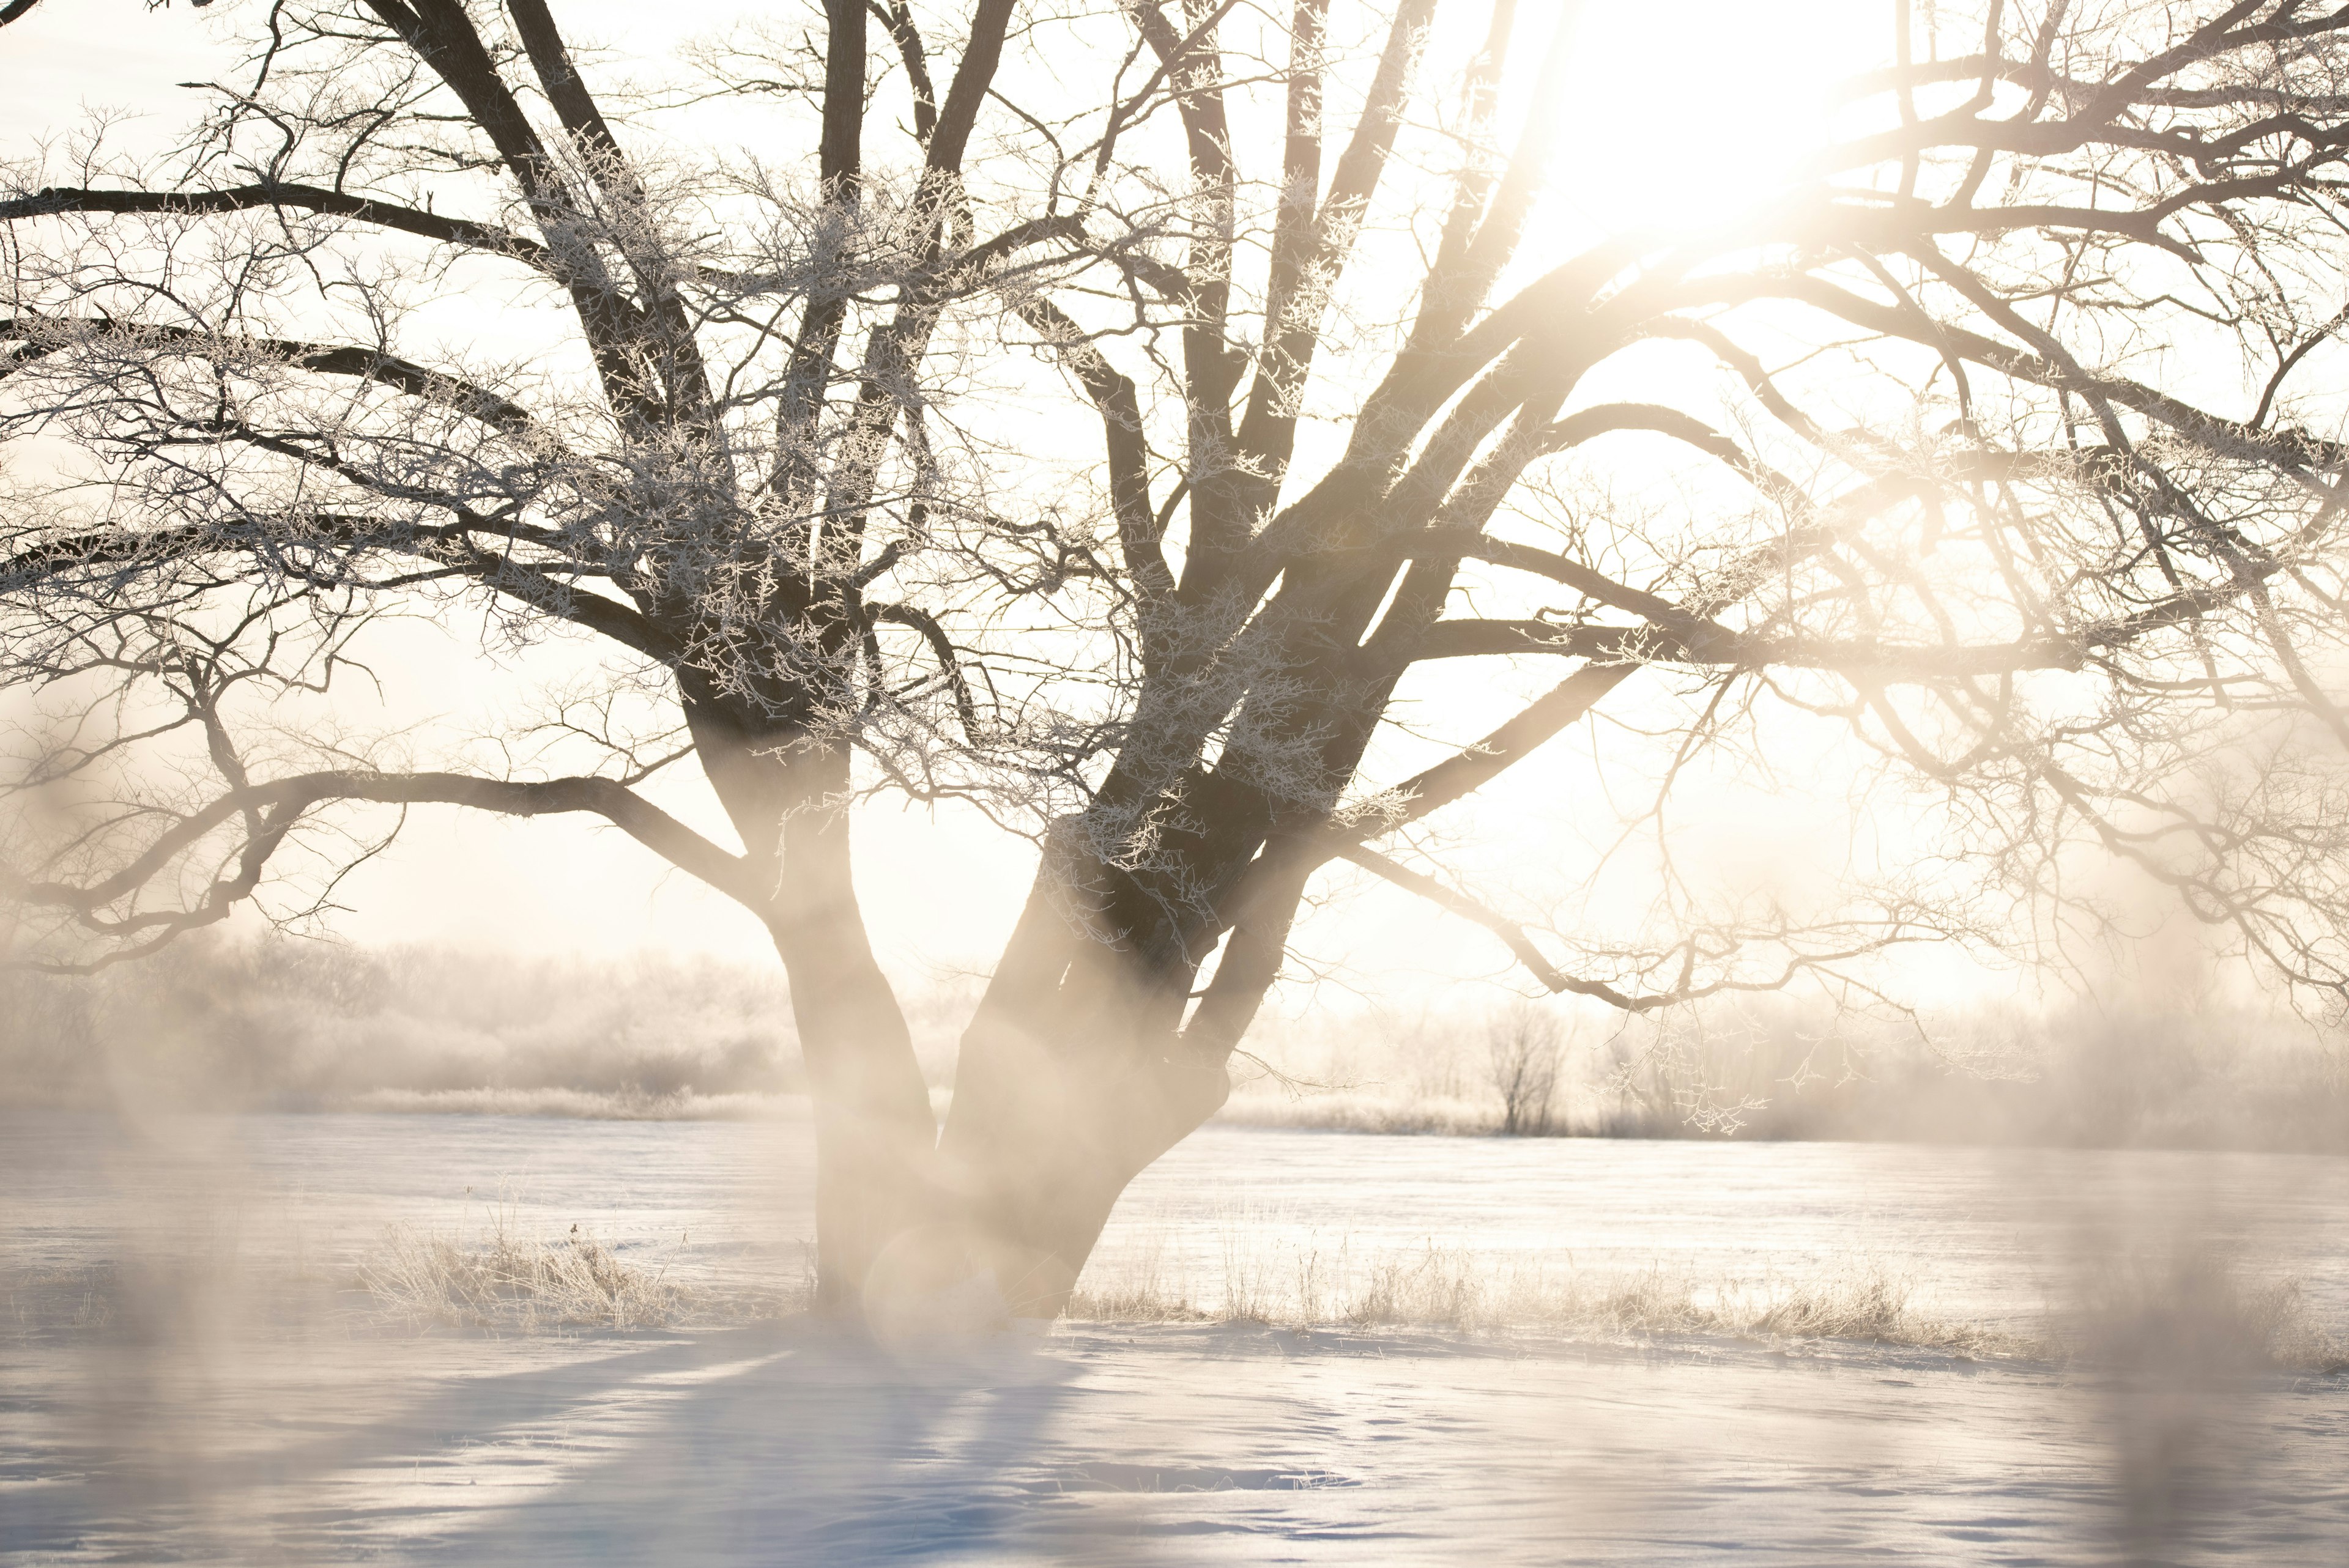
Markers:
(1988, 445)
(1522, 1046)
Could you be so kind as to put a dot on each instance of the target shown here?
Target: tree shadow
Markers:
(785, 1441)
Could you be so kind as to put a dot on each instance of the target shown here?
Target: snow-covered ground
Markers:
(218, 1397)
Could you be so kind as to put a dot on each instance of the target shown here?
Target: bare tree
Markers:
(1521, 1046)
(1987, 441)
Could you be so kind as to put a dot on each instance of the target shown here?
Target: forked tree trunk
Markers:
(1072, 1079)
(1075, 1073)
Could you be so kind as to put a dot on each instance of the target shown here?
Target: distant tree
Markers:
(1521, 1047)
(1989, 441)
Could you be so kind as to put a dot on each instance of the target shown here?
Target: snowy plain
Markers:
(221, 1395)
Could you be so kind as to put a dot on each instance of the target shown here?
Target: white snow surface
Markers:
(210, 1425)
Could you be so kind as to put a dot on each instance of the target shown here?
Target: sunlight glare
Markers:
(1675, 113)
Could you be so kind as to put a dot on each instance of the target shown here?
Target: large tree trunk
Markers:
(1074, 1077)
(875, 1136)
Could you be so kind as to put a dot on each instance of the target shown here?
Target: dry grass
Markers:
(2160, 1312)
(499, 1281)
(1862, 1300)
(2190, 1314)
(2279, 1319)
(40, 1300)
(1438, 1288)
(492, 1278)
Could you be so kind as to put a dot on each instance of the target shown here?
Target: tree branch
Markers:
(48, 335)
(1500, 925)
(280, 803)
(57, 200)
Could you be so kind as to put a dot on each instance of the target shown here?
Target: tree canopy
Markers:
(1112, 417)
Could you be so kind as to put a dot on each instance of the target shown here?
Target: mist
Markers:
(1299, 781)
(273, 1022)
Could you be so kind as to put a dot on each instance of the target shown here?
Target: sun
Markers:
(1674, 115)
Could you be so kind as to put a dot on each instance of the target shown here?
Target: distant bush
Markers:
(218, 1022)
(2074, 1077)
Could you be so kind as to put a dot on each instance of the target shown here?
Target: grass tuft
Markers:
(502, 1282)
(38, 1300)
(2191, 1314)
(2289, 1333)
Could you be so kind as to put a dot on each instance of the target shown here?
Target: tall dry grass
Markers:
(499, 1280)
